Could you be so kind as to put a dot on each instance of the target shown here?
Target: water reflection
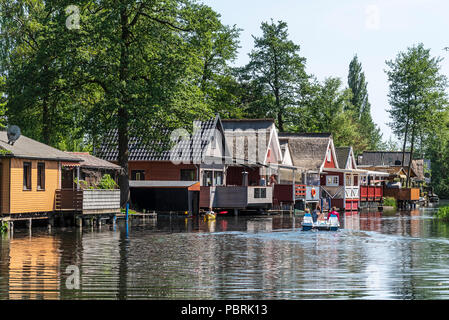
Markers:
(34, 268)
(389, 255)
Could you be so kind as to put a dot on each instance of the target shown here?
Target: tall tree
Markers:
(278, 70)
(362, 108)
(416, 95)
(127, 65)
(40, 77)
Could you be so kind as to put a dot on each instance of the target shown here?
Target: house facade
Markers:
(176, 167)
(31, 172)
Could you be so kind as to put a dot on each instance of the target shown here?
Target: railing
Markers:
(404, 194)
(371, 193)
(300, 190)
(68, 199)
(352, 192)
(235, 196)
(88, 200)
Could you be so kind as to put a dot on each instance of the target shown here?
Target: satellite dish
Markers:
(13, 133)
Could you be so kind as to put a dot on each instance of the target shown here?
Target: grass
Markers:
(130, 211)
(443, 213)
(4, 227)
(390, 202)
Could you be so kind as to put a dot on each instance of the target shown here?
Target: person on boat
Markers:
(316, 214)
(333, 212)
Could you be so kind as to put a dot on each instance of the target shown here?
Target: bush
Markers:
(107, 183)
(389, 202)
(443, 213)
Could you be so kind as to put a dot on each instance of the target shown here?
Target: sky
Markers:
(330, 33)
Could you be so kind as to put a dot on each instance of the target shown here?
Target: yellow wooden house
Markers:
(30, 174)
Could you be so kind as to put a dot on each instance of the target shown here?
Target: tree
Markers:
(278, 71)
(129, 65)
(416, 95)
(362, 107)
(329, 109)
(41, 84)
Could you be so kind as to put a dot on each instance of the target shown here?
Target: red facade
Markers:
(159, 170)
(234, 176)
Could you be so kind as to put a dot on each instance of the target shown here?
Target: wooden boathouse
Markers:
(310, 154)
(30, 175)
(181, 168)
(395, 168)
(256, 175)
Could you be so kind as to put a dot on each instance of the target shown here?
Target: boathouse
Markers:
(310, 154)
(390, 163)
(167, 178)
(30, 175)
(91, 170)
(257, 166)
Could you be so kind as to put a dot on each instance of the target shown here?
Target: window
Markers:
(328, 156)
(27, 176)
(332, 181)
(188, 175)
(349, 181)
(137, 174)
(218, 178)
(207, 178)
(260, 193)
(41, 176)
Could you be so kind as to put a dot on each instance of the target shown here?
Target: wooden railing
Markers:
(300, 190)
(88, 200)
(68, 199)
(404, 194)
(352, 192)
(371, 193)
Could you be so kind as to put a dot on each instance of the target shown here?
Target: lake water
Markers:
(389, 255)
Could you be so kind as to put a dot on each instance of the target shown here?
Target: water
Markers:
(390, 255)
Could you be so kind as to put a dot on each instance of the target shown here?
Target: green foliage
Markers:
(417, 97)
(389, 202)
(107, 182)
(4, 227)
(443, 213)
(362, 107)
(275, 74)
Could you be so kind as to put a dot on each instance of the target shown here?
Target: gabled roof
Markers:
(391, 170)
(249, 139)
(383, 158)
(90, 161)
(344, 154)
(28, 148)
(139, 151)
(307, 150)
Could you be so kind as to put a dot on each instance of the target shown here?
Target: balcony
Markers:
(352, 192)
(236, 197)
(371, 193)
(402, 194)
(88, 201)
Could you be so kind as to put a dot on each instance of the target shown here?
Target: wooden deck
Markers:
(402, 194)
(88, 201)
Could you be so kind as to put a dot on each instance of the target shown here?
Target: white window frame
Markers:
(328, 156)
(332, 181)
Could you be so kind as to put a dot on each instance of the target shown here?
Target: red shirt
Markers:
(333, 212)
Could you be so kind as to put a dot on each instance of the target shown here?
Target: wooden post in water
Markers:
(29, 225)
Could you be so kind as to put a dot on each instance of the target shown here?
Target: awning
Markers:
(70, 164)
(191, 185)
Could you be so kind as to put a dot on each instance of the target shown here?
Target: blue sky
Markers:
(331, 32)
